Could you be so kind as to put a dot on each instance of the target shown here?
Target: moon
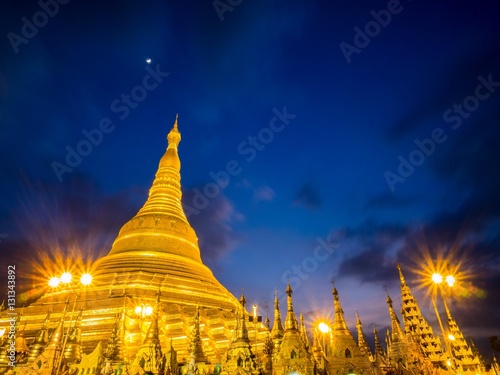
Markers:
(148, 61)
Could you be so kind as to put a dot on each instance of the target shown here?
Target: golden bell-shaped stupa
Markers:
(159, 248)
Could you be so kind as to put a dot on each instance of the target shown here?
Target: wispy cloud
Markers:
(308, 197)
(214, 227)
(263, 194)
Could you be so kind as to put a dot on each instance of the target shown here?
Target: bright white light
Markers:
(437, 278)
(448, 362)
(148, 61)
(148, 310)
(144, 310)
(2, 331)
(450, 280)
(451, 337)
(66, 278)
(54, 282)
(86, 279)
(323, 327)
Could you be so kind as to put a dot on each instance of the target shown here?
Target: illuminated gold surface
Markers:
(157, 250)
(342, 347)
(195, 323)
(415, 323)
(293, 355)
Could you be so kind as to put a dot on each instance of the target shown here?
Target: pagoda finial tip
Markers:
(174, 136)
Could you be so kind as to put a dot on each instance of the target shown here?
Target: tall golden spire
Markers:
(161, 225)
(277, 331)
(463, 356)
(291, 320)
(195, 347)
(159, 246)
(363, 345)
(401, 277)
(415, 323)
(241, 329)
(397, 332)
(303, 331)
(379, 351)
(338, 321)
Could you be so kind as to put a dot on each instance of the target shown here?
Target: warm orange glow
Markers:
(144, 310)
(54, 282)
(454, 263)
(450, 280)
(86, 279)
(148, 310)
(437, 278)
(323, 327)
(66, 278)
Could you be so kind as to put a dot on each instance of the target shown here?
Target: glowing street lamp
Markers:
(142, 311)
(54, 282)
(86, 279)
(65, 279)
(437, 279)
(450, 280)
(323, 327)
(324, 330)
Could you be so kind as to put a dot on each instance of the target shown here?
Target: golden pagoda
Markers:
(148, 291)
(153, 307)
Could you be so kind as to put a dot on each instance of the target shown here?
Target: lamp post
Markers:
(438, 279)
(324, 330)
(65, 280)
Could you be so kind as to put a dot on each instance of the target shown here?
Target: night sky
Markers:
(345, 137)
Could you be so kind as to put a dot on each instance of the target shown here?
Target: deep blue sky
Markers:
(356, 106)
